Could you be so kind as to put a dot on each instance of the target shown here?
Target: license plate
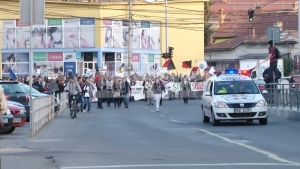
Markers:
(5, 120)
(242, 110)
(17, 120)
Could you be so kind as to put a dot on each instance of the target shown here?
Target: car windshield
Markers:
(12, 88)
(235, 87)
(27, 89)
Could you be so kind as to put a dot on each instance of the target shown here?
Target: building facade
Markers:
(80, 36)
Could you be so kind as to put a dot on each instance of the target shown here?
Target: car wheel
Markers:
(249, 120)
(11, 130)
(263, 121)
(213, 120)
(204, 117)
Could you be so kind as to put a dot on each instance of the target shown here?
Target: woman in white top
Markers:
(87, 94)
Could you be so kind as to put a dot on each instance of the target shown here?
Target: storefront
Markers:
(54, 44)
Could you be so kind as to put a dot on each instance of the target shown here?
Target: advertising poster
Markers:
(146, 42)
(71, 33)
(70, 66)
(145, 58)
(136, 35)
(117, 34)
(22, 35)
(57, 33)
(87, 32)
(146, 35)
(118, 57)
(48, 64)
(108, 33)
(135, 58)
(8, 34)
(17, 62)
(54, 33)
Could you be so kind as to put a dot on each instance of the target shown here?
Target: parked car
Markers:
(7, 120)
(14, 92)
(19, 118)
(36, 93)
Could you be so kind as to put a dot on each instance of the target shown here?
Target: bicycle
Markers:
(74, 106)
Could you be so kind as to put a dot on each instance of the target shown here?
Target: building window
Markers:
(229, 65)
(88, 56)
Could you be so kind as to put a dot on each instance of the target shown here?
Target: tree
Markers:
(207, 26)
(288, 65)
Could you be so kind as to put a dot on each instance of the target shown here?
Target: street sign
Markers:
(273, 33)
(38, 12)
(53, 86)
(78, 55)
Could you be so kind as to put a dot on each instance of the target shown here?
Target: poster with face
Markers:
(87, 32)
(9, 34)
(55, 37)
(39, 37)
(22, 35)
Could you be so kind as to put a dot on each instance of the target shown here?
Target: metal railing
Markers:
(44, 112)
(284, 96)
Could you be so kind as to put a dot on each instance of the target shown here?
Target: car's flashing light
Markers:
(231, 71)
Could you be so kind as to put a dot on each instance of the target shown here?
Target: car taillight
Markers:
(7, 97)
(27, 98)
(261, 87)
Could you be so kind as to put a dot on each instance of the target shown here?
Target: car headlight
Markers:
(22, 111)
(221, 105)
(261, 103)
(8, 112)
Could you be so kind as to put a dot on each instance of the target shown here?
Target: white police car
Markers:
(233, 97)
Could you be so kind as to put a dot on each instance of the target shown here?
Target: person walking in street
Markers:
(39, 85)
(150, 95)
(116, 93)
(101, 90)
(273, 61)
(109, 94)
(88, 94)
(157, 89)
(125, 91)
(185, 92)
(81, 98)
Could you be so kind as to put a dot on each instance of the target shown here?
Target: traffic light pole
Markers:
(166, 17)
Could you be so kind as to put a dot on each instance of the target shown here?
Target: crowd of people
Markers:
(114, 91)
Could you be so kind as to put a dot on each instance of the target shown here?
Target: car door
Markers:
(206, 103)
(210, 98)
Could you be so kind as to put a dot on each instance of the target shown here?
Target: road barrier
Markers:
(44, 112)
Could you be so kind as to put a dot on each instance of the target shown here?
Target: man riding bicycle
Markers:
(74, 89)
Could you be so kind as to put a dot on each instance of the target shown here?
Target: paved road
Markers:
(139, 137)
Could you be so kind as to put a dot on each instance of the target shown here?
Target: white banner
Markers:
(137, 92)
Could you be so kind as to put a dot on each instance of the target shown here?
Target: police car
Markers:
(233, 97)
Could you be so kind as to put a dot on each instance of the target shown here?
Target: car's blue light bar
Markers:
(231, 71)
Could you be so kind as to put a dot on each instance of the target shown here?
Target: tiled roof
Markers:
(285, 36)
(227, 45)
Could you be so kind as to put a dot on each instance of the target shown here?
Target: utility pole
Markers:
(166, 17)
(130, 68)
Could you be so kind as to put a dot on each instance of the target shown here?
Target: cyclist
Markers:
(74, 89)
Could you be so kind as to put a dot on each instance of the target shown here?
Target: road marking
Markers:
(178, 121)
(162, 116)
(269, 154)
(181, 165)
(50, 140)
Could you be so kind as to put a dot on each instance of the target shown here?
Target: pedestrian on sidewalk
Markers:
(157, 89)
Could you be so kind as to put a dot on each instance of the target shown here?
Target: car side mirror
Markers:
(264, 92)
(207, 94)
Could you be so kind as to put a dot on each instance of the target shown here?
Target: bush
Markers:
(288, 65)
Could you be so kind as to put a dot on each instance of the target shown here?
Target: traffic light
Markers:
(164, 55)
(251, 14)
(171, 52)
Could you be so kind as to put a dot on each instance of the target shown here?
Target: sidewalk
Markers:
(284, 113)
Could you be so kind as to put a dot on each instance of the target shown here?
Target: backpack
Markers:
(277, 53)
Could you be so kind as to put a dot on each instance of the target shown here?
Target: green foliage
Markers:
(207, 27)
(288, 65)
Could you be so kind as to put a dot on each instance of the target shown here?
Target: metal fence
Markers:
(284, 96)
(44, 112)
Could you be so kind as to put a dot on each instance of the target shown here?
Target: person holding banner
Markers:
(157, 89)
(185, 92)
(149, 94)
